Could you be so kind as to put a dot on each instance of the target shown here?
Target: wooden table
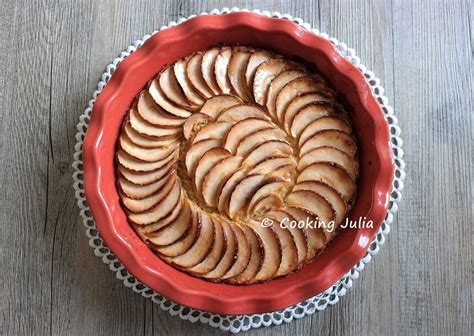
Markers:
(52, 57)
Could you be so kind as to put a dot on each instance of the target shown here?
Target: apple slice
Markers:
(330, 155)
(227, 190)
(142, 126)
(220, 69)
(301, 101)
(134, 164)
(267, 203)
(154, 114)
(307, 115)
(242, 129)
(257, 138)
(255, 261)
(273, 164)
(295, 88)
(217, 177)
(229, 255)
(146, 141)
(215, 105)
(274, 187)
(332, 175)
(160, 209)
(265, 74)
(217, 130)
(196, 151)
(137, 191)
(331, 138)
(165, 221)
(323, 124)
(160, 99)
(267, 150)
(236, 71)
(172, 89)
(195, 76)
(257, 58)
(194, 121)
(242, 253)
(277, 84)
(201, 247)
(146, 177)
(240, 112)
(184, 81)
(271, 251)
(211, 158)
(242, 193)
(214, 255)
(144, 154)
(207, 69)
(331, 195)
(174, 230)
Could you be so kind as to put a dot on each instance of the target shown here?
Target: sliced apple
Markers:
(144, 154)
(242, 253)
(146, 177)
(257, 138)
(228, 257)
(146, 141)
(307, 115)
(228, 188)
(257, 58)
(267, 150)
(194, 121)
(160, 98)
(323, 124)
(195, 76)
(207, 69)
(242, 194)
(267, 203)
(284, 218)
(137, 191)
(265, 74)
(217, 177)
(277, 84)
(220, 69)
(332, 138)
(273, 187)
(332, 175)
(240, 112)
(242, 129)
(154, 114)
(273, 164)
(161, 209)
(236, 71)
(215, 105)
(214, 255)
(197, 150)
(165, 221)
(217, 130)
(142, 126)
(329, 155)
(271, 251)
(180, 71)
(295, 88)
(172, 89)
(134, 164)
(211, 158)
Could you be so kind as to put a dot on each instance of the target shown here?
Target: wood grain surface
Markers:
(52, 56)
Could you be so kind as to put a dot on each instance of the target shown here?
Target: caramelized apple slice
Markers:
(144, 127)
(307, 115)
(257, 58)
(146, 141)
(267, 203)
(273, 187)
(271, 251)
(215, 105)
(160, 98)
(255, 261)
(201, 247)
(206, 163)
(196, 151)
(228, 258)
(207, 69)
(265, 74)
(241, 130)
(257, 138)
(221, 68)
(330, 155)
(214, 255)
(165, 221)
(242, 253)
(287, 222)
(195, 76)
(144, 154)
(196, 120)
(332, 175)
(174, 230)
(217, 177)
(277, 84)
(267, 150)
(172, 90)
(180, 71)
(228, 188)
(242, 193)
(134, 164)
(147, 177)
(160, 209)
(236, 71)
(314, 203)
(339, 140)
(154, 114)
(273, 164)
(217, 130)
(323, 124)
(137, 191)
(295, 88)
(240, 112)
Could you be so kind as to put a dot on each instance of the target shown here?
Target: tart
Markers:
(237, 165)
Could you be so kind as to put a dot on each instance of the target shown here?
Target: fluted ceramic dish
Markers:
(284, 37)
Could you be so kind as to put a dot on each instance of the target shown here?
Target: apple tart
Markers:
(237, 164)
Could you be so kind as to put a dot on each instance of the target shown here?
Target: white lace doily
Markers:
(237, 323)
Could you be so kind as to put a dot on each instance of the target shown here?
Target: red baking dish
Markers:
(284, 37)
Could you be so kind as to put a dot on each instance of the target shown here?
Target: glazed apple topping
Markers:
(225, 141)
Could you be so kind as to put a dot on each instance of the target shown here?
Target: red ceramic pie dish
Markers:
(286, 38)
